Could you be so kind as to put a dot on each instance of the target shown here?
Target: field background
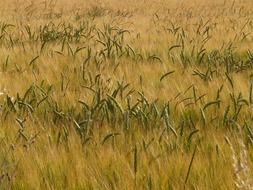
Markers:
(113, 94)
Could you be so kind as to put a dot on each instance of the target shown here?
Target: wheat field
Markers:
(118, 95)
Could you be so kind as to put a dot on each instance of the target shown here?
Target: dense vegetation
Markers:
(130, 94)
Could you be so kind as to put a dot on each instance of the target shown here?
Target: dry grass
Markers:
(126, 95)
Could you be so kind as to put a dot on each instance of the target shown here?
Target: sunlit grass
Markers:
(126, 95)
